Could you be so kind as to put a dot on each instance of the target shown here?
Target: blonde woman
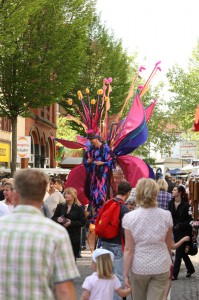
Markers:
(102, 283)
(8, 196)
(71, 216)
(163, 196)
(148, 237)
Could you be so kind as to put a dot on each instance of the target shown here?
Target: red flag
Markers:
(196, 120)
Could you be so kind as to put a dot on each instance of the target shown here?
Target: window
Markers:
(5, 124)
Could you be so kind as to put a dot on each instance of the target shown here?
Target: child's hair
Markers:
(104, 266)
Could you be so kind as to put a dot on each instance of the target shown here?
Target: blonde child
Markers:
(102, 283)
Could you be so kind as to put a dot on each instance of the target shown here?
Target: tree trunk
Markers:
(13, 163)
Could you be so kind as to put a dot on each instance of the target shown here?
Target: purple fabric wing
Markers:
(133, 120)
(132, 140)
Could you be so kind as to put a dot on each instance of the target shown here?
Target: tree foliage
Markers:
(42, 51)
(42, 61)
(184, 86)
(106, 57)
(160, 137)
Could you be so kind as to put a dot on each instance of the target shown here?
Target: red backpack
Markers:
(107, 224)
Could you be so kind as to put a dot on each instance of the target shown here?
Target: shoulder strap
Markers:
(118, 200)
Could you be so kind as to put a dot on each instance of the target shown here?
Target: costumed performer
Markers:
(98, 161)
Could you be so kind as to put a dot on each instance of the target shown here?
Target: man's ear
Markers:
(127, 195)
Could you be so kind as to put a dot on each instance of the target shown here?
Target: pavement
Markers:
(182, 289)
(186, 288)
(84, 266)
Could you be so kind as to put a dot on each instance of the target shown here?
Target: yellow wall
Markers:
(4, 152)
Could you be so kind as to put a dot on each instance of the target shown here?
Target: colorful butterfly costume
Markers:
(119, 136)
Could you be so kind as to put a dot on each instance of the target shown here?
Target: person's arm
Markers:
(65, 290)
(85, 295)
(189, 218)
(61, 198)
(178, 244)
(107, 157)
(57, 213)
(46, 210)
(87, 159)
(123, 292)
(169, 239)
(128, 256)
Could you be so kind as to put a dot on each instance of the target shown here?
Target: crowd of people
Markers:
(38, 254)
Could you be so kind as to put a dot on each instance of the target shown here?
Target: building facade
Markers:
(41, 126)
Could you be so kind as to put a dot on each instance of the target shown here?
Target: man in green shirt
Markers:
(36, 258)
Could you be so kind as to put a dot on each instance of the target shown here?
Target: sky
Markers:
(159, 30)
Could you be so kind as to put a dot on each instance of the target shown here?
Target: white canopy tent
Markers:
(52, 171)
(187, 168)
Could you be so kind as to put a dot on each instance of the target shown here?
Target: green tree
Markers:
(160, 136)
(65, 129)
(43, 48)
(185, 97)
(105, 58)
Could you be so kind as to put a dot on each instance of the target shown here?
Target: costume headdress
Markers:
(94, 112)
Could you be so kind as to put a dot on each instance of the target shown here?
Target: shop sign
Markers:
(188, 150)
(4, 152)
(24, 146)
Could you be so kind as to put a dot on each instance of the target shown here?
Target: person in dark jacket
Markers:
(170, 183)
(182, 216)
(71, 216)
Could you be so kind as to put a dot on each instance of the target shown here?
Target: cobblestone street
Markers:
(181, 289)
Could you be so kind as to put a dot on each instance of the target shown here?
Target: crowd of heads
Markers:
(25, 183)
(146, 191)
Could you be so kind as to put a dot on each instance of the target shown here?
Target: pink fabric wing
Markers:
(81, 139)
(69, 144)
(77, 180)
(149, 110)
(133, 168)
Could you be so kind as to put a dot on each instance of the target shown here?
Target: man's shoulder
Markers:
(52, 225)
(58, 194)
(165, 194)
(171, 183)
(39, 221)
(124, 207)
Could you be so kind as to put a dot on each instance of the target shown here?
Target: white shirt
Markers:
(149, 227)
(3, 209)
(101, 289)
(9, 206)
(53, 200)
